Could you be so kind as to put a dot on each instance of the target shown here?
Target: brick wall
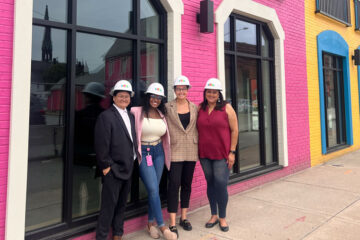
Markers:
(314, 25)
(6, 47)
(199, 62)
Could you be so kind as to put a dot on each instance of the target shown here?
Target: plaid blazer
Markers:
(183, 142)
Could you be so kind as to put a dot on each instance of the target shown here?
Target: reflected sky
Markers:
(113, 15)
(227, 30)
(57, 9)
(245, 32)
(58, 38)
(146, 9)
(92, 49)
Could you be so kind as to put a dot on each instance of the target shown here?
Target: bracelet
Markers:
(233, 152)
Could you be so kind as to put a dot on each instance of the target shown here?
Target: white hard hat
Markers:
(156, 88)
(95, 88)
(213, 83)
(182, 81)
(122, 85)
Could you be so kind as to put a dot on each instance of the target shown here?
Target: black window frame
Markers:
(70, 226)
(322, 9)
(338, 72)
(264, 168)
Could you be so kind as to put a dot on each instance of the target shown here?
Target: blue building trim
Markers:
(332, 42)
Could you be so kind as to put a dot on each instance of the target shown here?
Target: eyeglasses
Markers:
(156, 97)
(127, 96)
(181, 89)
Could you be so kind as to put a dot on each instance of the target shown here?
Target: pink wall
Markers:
(199, 62)
(6, 47)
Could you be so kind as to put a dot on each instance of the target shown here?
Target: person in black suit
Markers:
(115, 144)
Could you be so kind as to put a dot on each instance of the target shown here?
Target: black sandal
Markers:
(174, 230)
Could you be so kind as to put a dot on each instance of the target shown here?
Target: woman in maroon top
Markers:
(218, 135)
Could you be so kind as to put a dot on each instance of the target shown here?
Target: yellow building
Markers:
(333, 78)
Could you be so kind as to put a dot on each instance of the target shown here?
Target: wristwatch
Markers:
(233, 152)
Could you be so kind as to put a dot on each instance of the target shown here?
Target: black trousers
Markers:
(181, 174)
(113, 202)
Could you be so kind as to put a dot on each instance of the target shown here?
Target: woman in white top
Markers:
(154, 150)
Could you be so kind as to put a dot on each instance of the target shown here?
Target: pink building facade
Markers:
(6, 47)
(257, 50)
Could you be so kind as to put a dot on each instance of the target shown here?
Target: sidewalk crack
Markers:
(328, 220)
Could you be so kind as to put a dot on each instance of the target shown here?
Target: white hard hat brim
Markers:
(213, 88)
(189, 86)
(112, 92)
(162, 95)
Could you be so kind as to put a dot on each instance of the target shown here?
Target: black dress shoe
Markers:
(185, 224)
(224, 229)
(210, 225)
(174, 230)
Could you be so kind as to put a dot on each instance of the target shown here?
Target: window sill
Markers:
(334, 18)
(336, 148)
(253, 173)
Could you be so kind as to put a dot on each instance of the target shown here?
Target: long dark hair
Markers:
(219, 104)
(146, 105)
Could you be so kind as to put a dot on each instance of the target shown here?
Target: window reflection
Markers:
(149, 20)
(228, 69)
(46, 130)
(248, 114)
(245, 37)
(265, 70)
(330, 108)
(334, 100)
(264, 45)
(149, 66)
(227, 35)
(50, 10)
(97, 70)
(110, 15)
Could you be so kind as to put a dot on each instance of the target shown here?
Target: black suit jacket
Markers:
(113, 145)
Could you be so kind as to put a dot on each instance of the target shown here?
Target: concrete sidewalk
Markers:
(322, 202)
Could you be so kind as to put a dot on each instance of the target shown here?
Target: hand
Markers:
(231, 160)
(106, 171)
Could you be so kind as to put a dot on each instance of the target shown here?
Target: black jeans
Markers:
(113, 202)
(181, 174)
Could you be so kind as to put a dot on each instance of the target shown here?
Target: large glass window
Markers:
(334, 101)
(47, 128)
(337, 9)
(77, 57)
(249, 70)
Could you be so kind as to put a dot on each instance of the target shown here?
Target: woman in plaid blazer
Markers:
(181, 118)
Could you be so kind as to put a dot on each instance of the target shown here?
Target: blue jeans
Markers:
(217, 177)
(151, 175)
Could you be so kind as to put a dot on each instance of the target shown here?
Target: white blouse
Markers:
(152, 129)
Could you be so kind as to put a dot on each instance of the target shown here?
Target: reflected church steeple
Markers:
(47, 43)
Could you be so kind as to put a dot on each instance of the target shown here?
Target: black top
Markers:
(185, 119)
